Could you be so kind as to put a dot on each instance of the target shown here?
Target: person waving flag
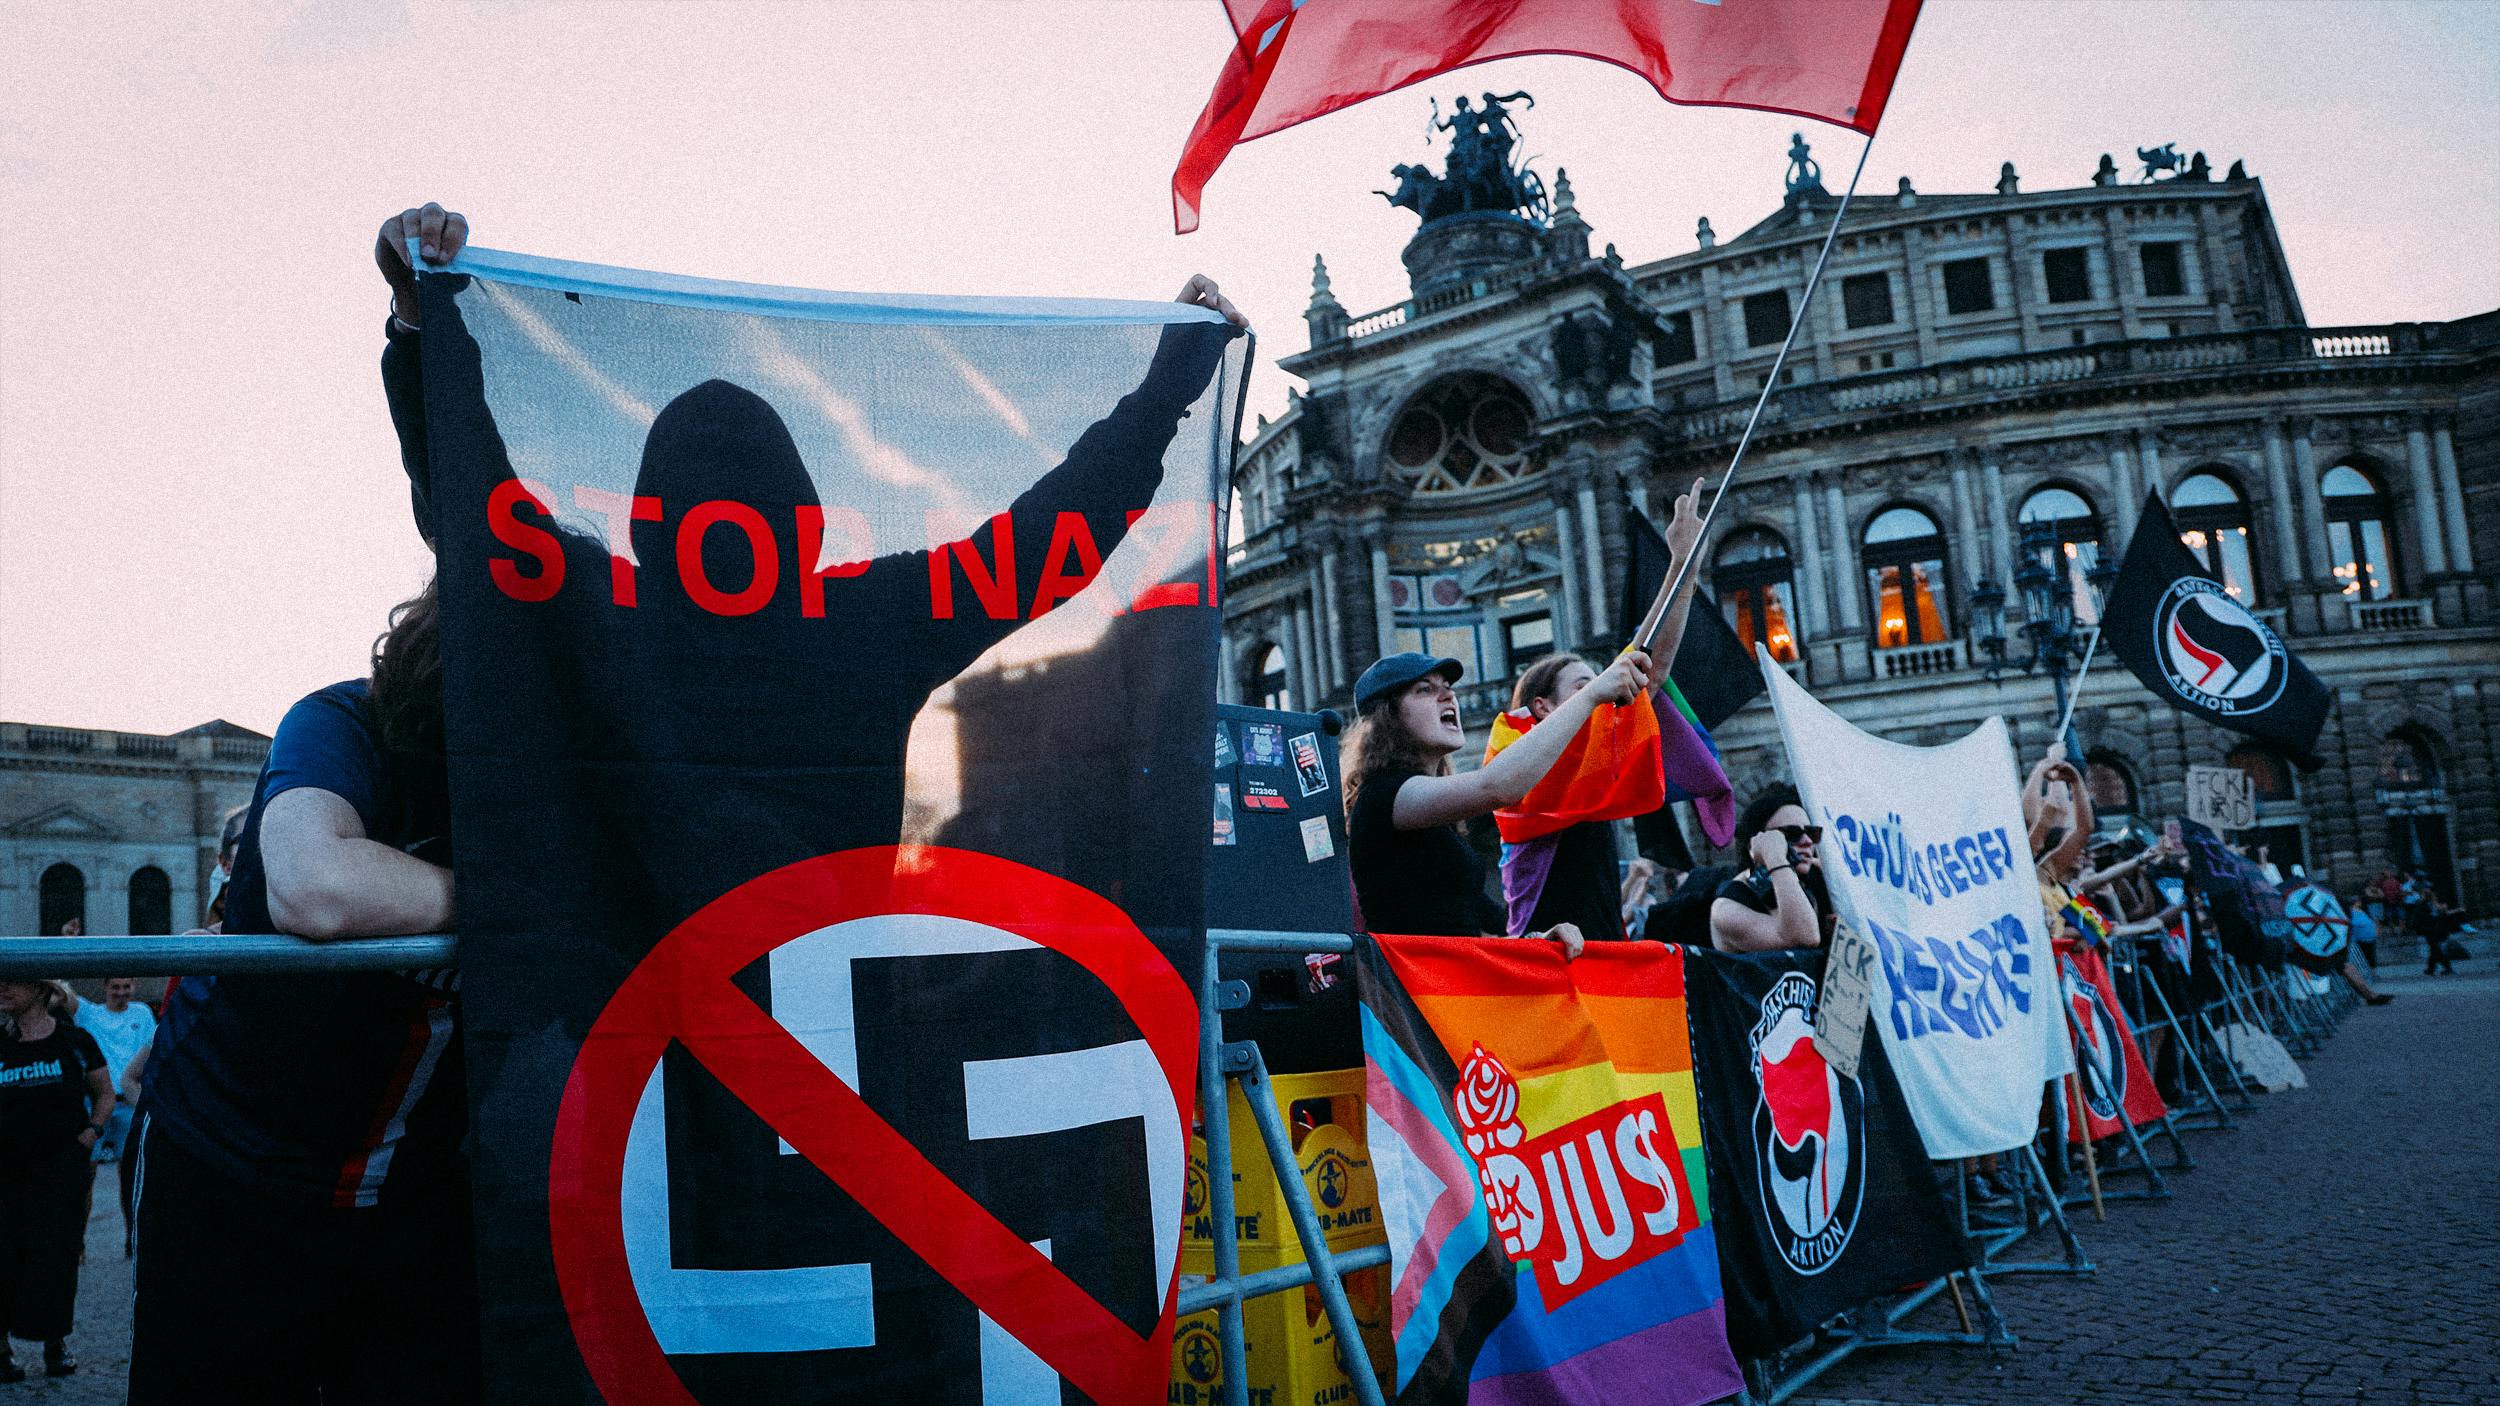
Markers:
(1293, 60)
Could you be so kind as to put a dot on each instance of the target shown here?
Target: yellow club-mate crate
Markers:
(1290, 1345)
(1324, 1113)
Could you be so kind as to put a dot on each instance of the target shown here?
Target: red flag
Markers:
(2107, 1042)
(1293, 60)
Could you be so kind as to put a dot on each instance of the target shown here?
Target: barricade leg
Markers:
(1213, 1117)
(1324, 1272)
(2184, 1041)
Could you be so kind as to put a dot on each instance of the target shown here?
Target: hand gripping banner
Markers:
(1925, 852)
(827, 681)
(1538, 1149)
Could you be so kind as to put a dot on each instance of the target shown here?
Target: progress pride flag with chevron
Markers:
(1293, 60)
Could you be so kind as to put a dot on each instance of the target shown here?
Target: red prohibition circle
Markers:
(681, 992)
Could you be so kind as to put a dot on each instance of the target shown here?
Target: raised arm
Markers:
(1683, 539)
(1426, 801)
(1111, 474)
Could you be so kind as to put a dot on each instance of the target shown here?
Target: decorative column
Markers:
(2452, 495)
(2148, 461)
(1227, 682)
(2289, 568)
(2426, 524)
(1306, 689)
(1593, 552)
(2122, 483)
(1846, 592)
(2312, 505)
(1814, 608)
(1323, 648)
(1336, 619)
(1289, 632)
(1384, 616)
(1567, 600)
(1973, 563)
(2000, 523)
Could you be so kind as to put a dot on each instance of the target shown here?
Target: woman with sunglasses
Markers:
(1777, 900)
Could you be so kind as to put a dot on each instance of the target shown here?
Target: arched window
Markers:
(2407, 764)
(2075, 544)
(151, 902)
(2213, 523)
(1752, 573)
(1270, 690)
(2111, 784)
(2268, 773)
(1905, 578)
(1466, 432)
(61, 894)
(2360, 533)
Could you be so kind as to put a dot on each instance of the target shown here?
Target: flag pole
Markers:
(2075, 692)
(1657, 615)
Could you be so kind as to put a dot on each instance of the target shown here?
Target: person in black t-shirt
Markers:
(1413, 872)
(1777, 900)
(55, 1100)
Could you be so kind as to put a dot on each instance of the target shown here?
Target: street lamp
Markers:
(2056, 639)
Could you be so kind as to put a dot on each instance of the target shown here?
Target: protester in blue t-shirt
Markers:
(123, 1030)
(303, 1224)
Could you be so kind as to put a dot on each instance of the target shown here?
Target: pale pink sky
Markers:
(201, 510)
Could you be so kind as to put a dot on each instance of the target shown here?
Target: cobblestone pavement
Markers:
(2343, 1245)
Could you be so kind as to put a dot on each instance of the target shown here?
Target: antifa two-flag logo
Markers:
(2202, 649)
(2216, 652)
(2107, 1095)
(1809, 1132)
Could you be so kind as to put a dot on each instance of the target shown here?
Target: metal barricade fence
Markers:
(1323, 1269)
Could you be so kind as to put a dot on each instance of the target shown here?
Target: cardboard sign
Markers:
(1848, 986)
(2222, 797)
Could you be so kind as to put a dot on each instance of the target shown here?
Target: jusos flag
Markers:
(1539, 1158)
(2201, 650)
(1293, 60)
(1825, 1197)
(2111, 1077)
(822, 1046)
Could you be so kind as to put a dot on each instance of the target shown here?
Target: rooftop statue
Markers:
(2159, 160)
(1483, 172)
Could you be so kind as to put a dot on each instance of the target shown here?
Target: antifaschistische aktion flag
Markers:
(820, 1046)
(2111, 1076)
(1824, 1194)
(2202, 651)
(1538, 1148)
(1293, 60)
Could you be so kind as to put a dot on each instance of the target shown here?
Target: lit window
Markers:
(2360, 533)
(2213, 524)
(1905, 578)
(1752, 574)
(2078, 545)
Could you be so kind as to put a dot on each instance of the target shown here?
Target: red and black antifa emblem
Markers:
(2099, 1044)
(1809, 1133)
(2214, 652)
(632, 1309)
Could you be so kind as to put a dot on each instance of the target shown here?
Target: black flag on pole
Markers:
(1712, 669)
(828, 681)
(1819, 1185)
(2201, 649)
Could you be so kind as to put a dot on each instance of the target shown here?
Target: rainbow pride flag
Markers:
(1538, 1148)
(1625, 762)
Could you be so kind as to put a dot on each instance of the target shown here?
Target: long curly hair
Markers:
(1380, 742)
(407, 699)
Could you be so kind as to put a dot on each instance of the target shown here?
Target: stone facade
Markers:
(119, 827)
(1458, 471)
